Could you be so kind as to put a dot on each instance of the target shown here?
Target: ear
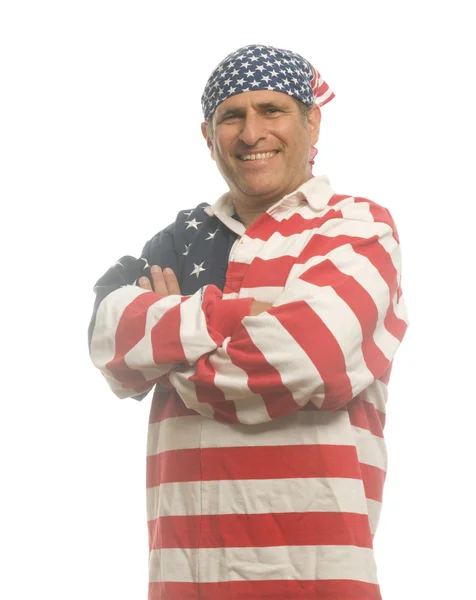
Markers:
(314, 123)
(208, 139)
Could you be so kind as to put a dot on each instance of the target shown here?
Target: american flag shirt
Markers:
(266, 457)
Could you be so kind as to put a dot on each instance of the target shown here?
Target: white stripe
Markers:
(196, 340)
(103, 342)
(364, 230)
(298, 428)
(233, 382)
(351, 210)
(141, 356)
(268, 563)
(187, 391)
(377, 394)
(324, 96)
(374, 508)
(298, 372)
(262, 294)
(371, 449)
(260, 496)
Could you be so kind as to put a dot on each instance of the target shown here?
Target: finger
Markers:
(158, 280)
(171, 282)
(144, 283)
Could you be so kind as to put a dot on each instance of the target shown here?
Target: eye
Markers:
(272, 110)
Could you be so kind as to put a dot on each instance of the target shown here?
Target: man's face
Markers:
(270, 124)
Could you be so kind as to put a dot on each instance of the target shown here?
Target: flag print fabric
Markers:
(266, 457)
(256, 67)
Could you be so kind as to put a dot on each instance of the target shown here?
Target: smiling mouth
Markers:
(257, 156)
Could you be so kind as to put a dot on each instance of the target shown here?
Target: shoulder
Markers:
(187, 220)
(360, 208)
(343, 216)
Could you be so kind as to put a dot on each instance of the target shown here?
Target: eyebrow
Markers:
(261, 105)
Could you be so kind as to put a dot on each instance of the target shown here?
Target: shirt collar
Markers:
(316, 191)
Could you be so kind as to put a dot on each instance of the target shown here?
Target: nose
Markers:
(253, 129)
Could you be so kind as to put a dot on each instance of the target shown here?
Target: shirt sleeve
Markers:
(127, 271)
(140, 336)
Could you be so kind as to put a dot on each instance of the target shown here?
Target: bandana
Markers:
(264, 68)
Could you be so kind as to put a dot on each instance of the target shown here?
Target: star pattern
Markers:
(259, 67)
(193, 223)
(187, 249)
(197, 270)
(211, 235)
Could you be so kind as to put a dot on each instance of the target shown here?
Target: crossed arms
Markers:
(332, 331)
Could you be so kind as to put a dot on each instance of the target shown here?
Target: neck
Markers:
(249, 211)
(250, 208)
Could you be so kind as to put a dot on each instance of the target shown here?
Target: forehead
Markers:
(254, 99)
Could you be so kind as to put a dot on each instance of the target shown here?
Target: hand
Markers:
(164, 282)
(258, 307)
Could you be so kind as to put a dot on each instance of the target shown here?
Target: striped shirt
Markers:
(266, 457)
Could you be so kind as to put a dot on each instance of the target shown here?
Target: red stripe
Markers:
(385, 377)
(208, 392)
(253, 462)
(373, 479)
(261, 530)
(297, 224)
(336, 198)
(129, 331)
(263, 378)
(318, 342)
(381, 214)
(266, 590)
(264, 227)
(360, 302)
(271, 272)
(234, 276)
(173, 466)
(364, 415)
(394, 325)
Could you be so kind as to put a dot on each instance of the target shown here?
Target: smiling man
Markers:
(261, 142)
(266, 325)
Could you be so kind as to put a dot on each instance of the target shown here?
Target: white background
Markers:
(101, 147)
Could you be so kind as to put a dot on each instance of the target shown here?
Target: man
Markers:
(267, 323)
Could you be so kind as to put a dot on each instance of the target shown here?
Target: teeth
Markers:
(259, 156)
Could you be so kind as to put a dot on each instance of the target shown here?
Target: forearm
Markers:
(139, 336)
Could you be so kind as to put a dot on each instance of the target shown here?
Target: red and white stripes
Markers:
(266, 461)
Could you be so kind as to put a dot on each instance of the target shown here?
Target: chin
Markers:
(261, 188)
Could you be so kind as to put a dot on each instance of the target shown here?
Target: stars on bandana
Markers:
(263, 68)
(198, 269)
(187, 249)
(193, 223)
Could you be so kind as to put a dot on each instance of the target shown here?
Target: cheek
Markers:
(223, 141)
